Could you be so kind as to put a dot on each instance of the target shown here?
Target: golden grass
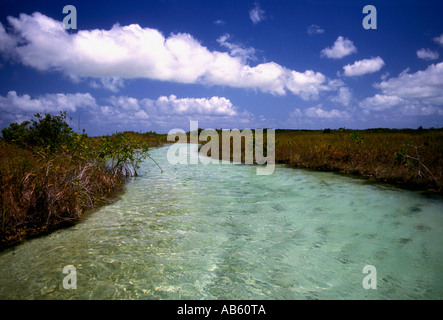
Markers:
(42, 192)
(380, 156)
(409, 158)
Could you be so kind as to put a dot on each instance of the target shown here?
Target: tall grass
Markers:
(409, 158)
(42, 191)
(382, 156)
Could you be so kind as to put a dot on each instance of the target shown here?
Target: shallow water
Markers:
(222, 232)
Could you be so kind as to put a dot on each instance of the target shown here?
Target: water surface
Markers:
(223, 232)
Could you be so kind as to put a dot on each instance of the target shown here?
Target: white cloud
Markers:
(427, 54)
(46, 103)
(219, 22)
(343, 97)
(237, 50)
(296, 113)
(113, 84)
(410, 94)
(420, 110)
(167, 111)
(257, 14)
(342, 47)
(380, 102)
(215, 106)
(315, 29)
(364, 66)
(439, 39)
(16, 108)
(125, 113)
(422, 86)
(267, 76)
(7, 42)
(127, 52)
(171, 105)
(308, 84)
(385, 75)
(319, 112)
(315, 116)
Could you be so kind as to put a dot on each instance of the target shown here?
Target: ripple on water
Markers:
(222, 232)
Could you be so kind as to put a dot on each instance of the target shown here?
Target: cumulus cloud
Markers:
(171, 105)
(167, 111)
(342, 47)
(216, 106)
(308, 84)
(123, 112)
(113, 84)
(427, 54)
(424, 86)
(343, 97)
(410, 94)
(7, 42)
(364, 66)
(236, 49)
(381, 102)
(420, 110)
(127, 52)
(257, 14)
(296, 113)
(315, 29)
(319, 112)
(17, 108)
(46, 103)
(384, 76)
(439, 39)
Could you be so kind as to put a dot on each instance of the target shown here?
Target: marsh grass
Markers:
(380, 155)
(42, 191)
(408, 158)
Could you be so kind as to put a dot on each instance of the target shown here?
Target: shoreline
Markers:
(338, 167)
(73, 213)
(399, 158)
(401, 185)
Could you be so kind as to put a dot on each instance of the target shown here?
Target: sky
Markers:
(157, 65)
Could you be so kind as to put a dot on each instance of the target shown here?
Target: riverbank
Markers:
(43, 190)
(411, 159)
(51, 185)
(222, 232)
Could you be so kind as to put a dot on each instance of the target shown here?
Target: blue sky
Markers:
(156, 65)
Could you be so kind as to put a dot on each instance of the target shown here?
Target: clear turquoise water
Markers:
(223, 232)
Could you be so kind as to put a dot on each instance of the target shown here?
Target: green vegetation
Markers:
(50, 175)
(51, 132)
(408, 158)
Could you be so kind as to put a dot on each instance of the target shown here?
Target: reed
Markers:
(408, 158)
(43, 190)
(393, 156)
